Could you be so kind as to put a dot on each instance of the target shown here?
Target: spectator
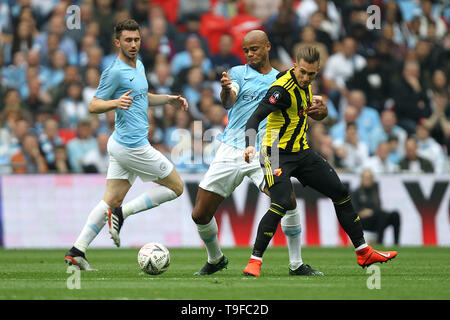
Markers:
(283, 34)
(224, 59)
(367, 203)
(97, 160)
(192, 91)
(23, 38)
(352, 152)
(340, 68)
(160, 79)
(36, 98)
(14, 75)
(92, 80)
(178, 136)
(308, 38)
(332, 17)
(393, 17)
(72, 109)
(183, 59)
(9, 117)
(61, 163)
(198, 60)
(49, 139)
(55, 73)
(429, 149)
(412, 32)
(59, 92)
(191, 23)
(78, 147)
(411, 101)
(337, 131)
(323, 34)
(412, 162)
(29, 159)
(34, 62)
(388, 128)
(429, 18)
(372, 80)
(380, 162)
(55, 37)
(105, 16)
(439, 122)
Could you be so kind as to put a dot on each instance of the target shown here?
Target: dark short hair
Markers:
(309, 54)
(128, 24)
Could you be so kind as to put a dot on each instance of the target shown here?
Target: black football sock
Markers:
(350, 221)
(267, 228)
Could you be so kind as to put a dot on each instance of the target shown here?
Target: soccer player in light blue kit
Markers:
(242, 90)
(123, 87)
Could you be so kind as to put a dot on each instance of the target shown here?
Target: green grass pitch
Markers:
(417, 273)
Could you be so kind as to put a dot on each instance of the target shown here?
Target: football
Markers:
(154, 258)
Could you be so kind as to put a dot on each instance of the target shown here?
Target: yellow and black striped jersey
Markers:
(287, 121)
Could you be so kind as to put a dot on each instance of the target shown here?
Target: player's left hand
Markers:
(178, 102)
(318, 108)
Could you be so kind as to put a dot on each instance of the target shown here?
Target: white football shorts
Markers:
(228, 169)
(144, 162)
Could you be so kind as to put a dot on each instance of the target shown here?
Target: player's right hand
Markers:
(249, 154)
(125, 101)
(225, 81)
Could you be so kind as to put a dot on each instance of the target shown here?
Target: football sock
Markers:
(350, 221)
(148, 200)
(208, 233)
(266, 228)
(291, 227)
(94, 223)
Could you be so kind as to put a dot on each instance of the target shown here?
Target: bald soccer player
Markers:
(243, 87)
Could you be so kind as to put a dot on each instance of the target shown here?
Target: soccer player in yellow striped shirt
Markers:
(285, 153)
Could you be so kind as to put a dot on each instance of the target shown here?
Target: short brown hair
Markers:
(128, 24)
(309, 54)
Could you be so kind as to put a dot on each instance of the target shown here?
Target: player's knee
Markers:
(285, 202)
(200, 216)
(341, 195)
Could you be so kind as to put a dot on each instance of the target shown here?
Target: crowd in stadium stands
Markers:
(387, 88)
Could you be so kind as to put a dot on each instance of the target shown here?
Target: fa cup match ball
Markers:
(154, 258)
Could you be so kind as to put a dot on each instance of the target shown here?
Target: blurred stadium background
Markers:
(387, 90)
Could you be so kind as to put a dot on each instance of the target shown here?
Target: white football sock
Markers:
(148, 200)
(290, 225)
(94, 223)
(208, 233)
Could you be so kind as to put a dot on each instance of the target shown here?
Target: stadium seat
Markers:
(212, 27)
(67, 135)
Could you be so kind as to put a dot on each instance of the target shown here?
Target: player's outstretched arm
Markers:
(98, 105)
(176, 100)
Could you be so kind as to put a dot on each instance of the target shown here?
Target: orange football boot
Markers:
(368, 256)
(253, 268)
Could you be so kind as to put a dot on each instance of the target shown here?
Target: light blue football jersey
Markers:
(252, 88)
(131, 127)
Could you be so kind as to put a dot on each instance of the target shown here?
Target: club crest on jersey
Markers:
(274, 98)
(277, 172)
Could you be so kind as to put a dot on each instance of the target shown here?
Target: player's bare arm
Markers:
(175, 100)
(100, 106)
(227, 95)
(318, 109)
